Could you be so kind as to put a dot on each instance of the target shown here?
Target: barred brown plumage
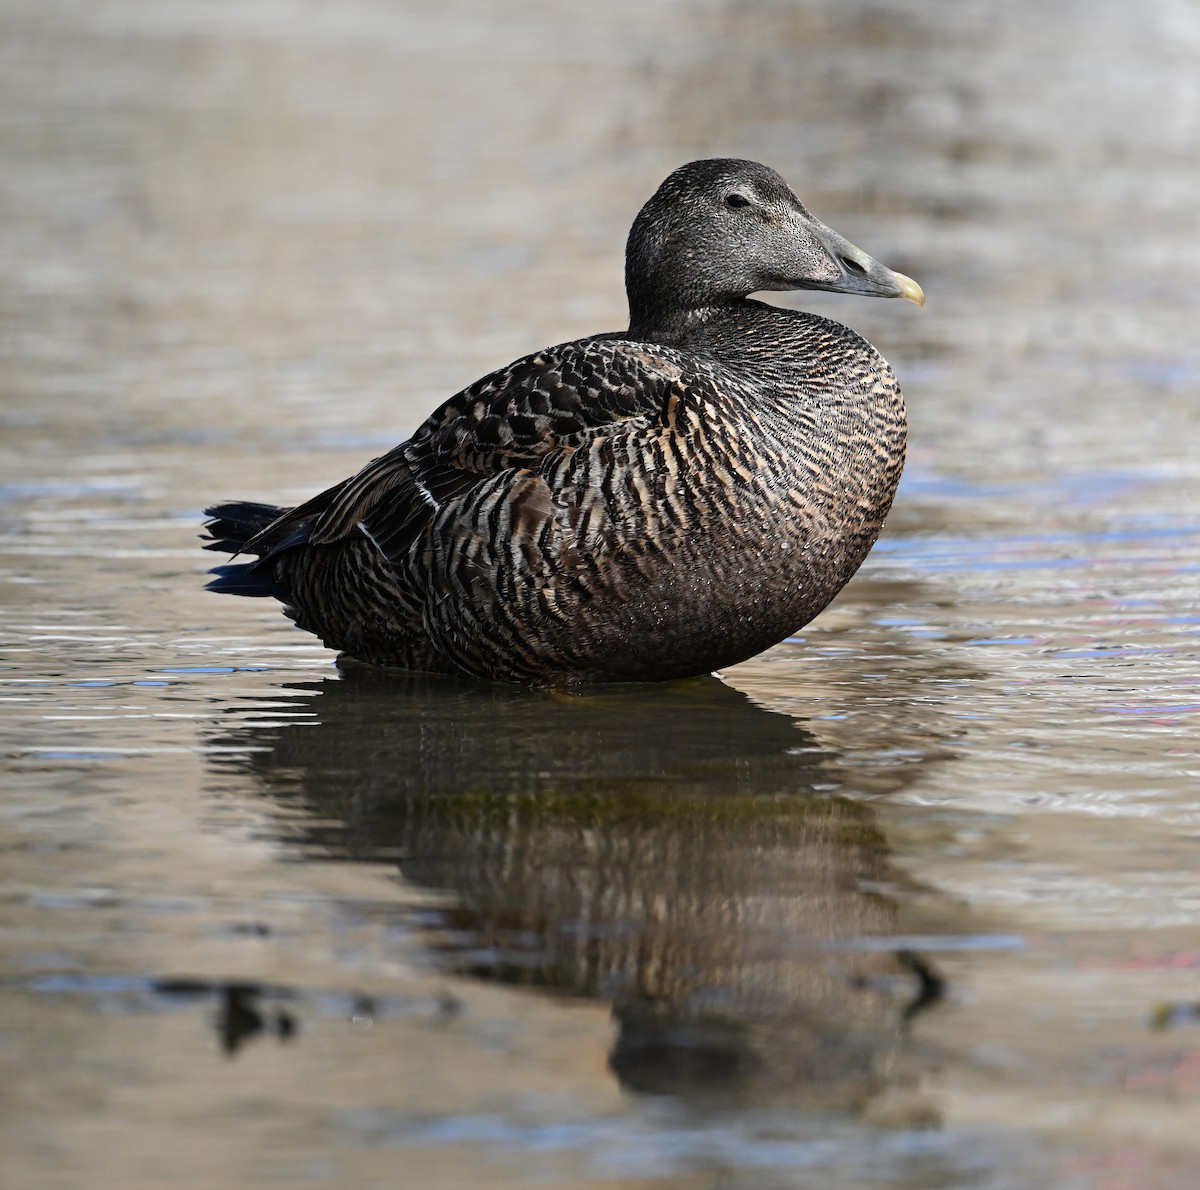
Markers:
(638, 505)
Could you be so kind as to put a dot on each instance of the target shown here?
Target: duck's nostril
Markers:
(852, 266)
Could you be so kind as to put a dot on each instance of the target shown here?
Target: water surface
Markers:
(908, 901)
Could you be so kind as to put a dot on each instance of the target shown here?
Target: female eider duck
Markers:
(648, 504)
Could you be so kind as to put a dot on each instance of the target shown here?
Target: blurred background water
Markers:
(909, 901)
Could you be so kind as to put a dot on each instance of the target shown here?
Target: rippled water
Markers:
(909, 901)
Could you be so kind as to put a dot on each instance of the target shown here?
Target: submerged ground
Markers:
(909, 901)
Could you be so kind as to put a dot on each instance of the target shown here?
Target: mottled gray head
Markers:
(718, 230)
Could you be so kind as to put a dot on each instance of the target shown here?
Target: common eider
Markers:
(641, 505)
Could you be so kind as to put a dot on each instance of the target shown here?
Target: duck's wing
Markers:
(508, 421)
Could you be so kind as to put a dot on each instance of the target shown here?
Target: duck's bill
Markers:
(853, 271)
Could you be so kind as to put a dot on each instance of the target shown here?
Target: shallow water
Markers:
(909, 901)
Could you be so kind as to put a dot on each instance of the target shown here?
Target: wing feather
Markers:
(510, 420)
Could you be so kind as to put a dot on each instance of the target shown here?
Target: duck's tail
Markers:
(230, 528)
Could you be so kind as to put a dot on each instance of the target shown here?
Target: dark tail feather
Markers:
(245, 578)
(229, 528)
(232, 525)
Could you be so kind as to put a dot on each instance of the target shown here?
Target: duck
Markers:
(640, 505)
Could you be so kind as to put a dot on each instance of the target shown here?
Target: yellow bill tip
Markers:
(910, 291)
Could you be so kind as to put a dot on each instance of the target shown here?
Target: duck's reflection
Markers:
(674, 849)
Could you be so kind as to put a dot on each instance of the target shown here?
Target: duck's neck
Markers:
(671, 322)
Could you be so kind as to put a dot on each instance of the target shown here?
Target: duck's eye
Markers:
(736, 200)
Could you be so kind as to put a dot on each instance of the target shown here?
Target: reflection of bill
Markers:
(676, 850)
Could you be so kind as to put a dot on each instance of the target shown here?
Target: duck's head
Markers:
(718, 230)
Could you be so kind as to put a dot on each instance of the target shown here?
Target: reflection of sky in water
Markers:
(1038, 551)
(1078, 489)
